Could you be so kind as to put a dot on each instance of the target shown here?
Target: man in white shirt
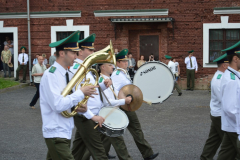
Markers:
(22, 59)
(172, 67)
(230, 92)
(118, 143)
(192, 68)
(86, 137)
(216, 134)
(37, 73)
(57, 129)
(120, 78)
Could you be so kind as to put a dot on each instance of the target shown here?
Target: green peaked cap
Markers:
(122, 55)
(69, 43)
(23, 48)
(233, 49)
(221, 59)
(87, 42)
(191, 51)
(168, 57)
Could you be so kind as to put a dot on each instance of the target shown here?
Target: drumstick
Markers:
(109, 87)
(111, 111)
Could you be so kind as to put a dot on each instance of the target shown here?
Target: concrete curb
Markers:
(21, 85)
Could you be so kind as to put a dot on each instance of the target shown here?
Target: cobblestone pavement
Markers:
(177, 128)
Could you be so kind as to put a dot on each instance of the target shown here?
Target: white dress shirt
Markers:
(109, 94)
(20, 58)
(194, 63)
(230, 91)
(215, 102)
(120, 80)
(172, 66)
(52, 103)
(94, 104)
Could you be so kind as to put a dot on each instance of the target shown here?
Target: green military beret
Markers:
(221, 59)
(168, 57)
(121, 56)
(23, 48)
(191, 51)
(69, 43)
(233, 50)
(87, 42)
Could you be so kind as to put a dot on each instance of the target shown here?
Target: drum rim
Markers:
(123, 114)
(164, 66)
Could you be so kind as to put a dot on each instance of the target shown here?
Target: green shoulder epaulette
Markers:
(219, 76)
(100, 80)
(117, 73)
(232, 76)
(52, 69)
(76, 66)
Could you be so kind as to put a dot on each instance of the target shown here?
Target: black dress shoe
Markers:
(187, 89)
(179, 94)
(191, 89)
(16, 79)
(22, 81)
(110, 156)
(151, 157)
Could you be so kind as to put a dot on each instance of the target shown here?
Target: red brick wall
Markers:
(189, 17)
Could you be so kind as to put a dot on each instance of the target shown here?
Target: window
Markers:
(62, 35)
(220, 39)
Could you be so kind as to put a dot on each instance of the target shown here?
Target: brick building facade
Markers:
(181, 25)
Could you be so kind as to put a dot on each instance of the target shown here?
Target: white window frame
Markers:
(68, 28)
(13, 30)
(206, 27)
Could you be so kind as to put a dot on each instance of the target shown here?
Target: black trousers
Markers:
(36, 96)
(131, 73)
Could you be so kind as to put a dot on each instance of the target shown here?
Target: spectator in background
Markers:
(141, 61)
(37, 72)
(6, 41)
(177, 70)
(6, 59)
(131, 65)
(151, 58)
(35, 60)
(116, 51)
(22, 59)
(172, 67)
(52, 59)
(45, 61)
(10, 47)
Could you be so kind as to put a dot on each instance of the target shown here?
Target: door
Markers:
(149, 44)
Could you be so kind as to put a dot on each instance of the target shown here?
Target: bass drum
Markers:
(155, 80)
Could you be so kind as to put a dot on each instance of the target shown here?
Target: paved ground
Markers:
(177, 129)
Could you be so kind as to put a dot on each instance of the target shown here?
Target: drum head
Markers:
(155, 80)
(116, 120)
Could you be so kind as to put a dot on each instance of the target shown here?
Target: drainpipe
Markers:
(29, 42)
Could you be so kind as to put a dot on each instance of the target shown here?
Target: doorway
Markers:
(3, 37)
(149, 44)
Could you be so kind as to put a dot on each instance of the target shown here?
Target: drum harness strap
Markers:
(233, 73)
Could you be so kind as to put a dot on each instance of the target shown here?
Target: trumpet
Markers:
(105, 55)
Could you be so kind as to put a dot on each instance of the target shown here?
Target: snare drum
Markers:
(115, 123)
(155, 80)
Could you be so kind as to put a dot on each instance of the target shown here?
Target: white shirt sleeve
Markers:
(187, 60)
(25, 59)
(230, 99)
(196, 64)
(19, 58)
(57, 102)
